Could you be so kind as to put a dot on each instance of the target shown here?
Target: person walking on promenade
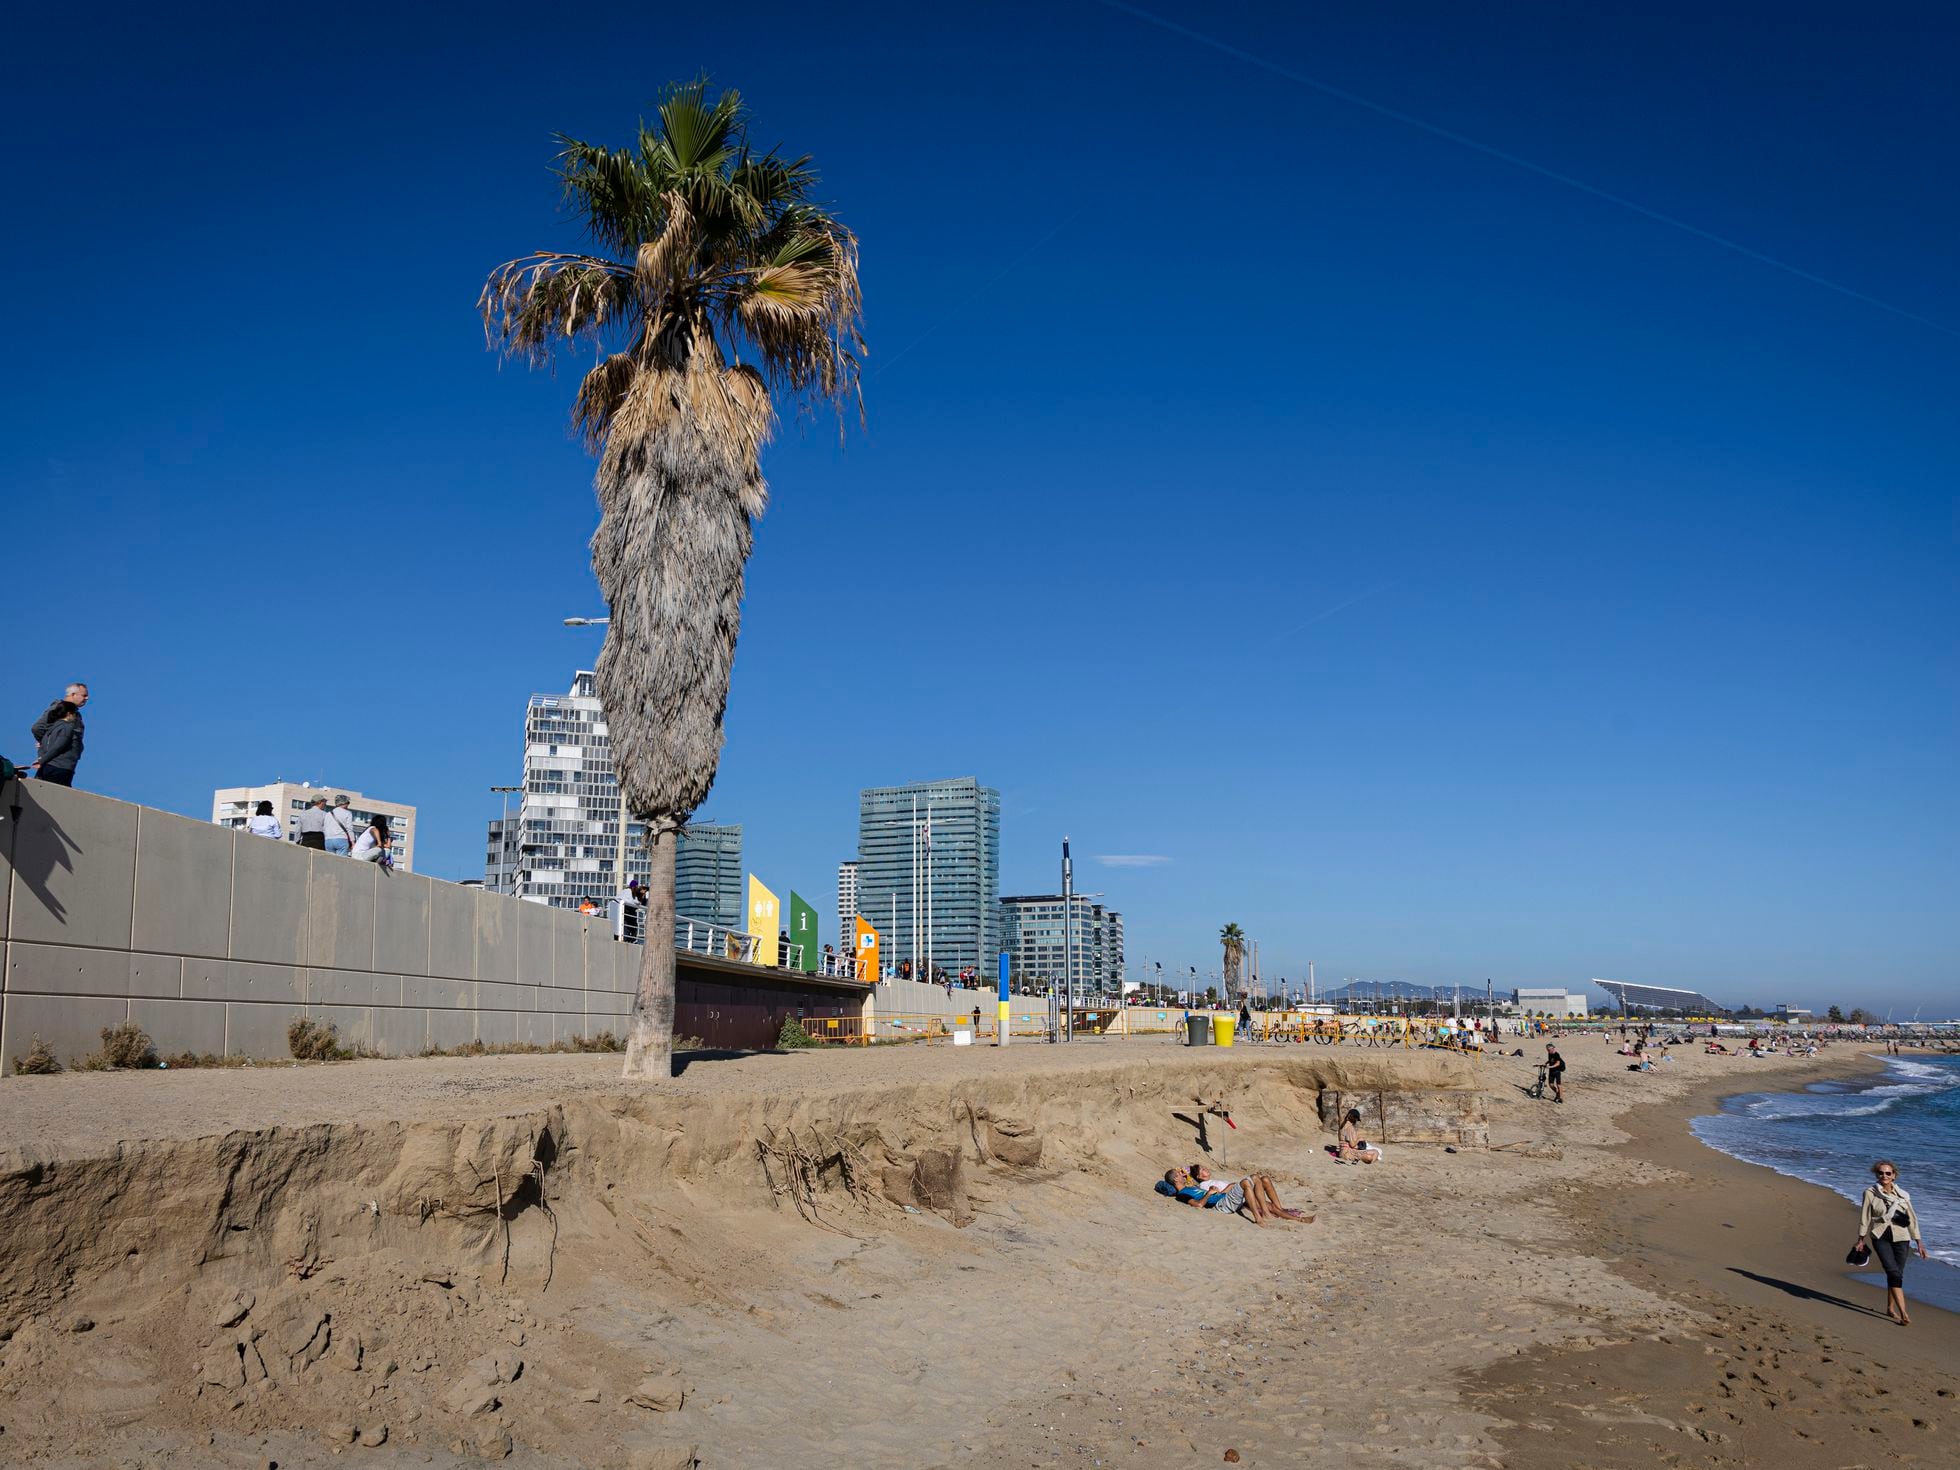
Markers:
(1887, 1219)
(263, 823)
(312, 825)
(372, 845)
(339, 828)
(1555, 1073)
(58, 738)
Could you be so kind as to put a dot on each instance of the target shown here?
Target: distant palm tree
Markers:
(1233, 938)
(719, 287)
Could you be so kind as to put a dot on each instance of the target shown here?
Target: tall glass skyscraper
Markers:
(928, 871)
(708, 874)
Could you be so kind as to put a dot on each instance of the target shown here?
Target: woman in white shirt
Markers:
(264, 824)
(372, 845)
(1887, 1219)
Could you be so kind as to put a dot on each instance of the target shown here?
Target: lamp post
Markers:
(503, 835)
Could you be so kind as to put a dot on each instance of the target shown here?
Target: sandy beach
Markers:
(915, 1257)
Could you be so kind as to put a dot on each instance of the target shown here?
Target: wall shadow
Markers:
(37, 845)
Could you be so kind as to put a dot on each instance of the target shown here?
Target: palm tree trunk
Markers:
(650, 1038)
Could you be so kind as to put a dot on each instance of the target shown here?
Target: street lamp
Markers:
(588, 622)
(503, 841)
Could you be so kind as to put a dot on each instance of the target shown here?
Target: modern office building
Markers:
(1032, 934)
(928, 872)
(847, 904)
(233, 807)
(567, 841)
(708, 875)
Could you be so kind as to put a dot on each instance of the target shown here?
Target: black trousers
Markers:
(59, 777)
(1892, 1255)
(315, 840)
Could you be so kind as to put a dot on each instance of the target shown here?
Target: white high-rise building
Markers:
(847, 906)
(232, 806)
(568, 841)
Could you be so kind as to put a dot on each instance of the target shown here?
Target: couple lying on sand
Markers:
(1253, 1196)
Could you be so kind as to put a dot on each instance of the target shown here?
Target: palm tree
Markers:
(714, 287)
(1233, 938)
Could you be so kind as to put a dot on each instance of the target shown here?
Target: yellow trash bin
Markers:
(1222, 1028)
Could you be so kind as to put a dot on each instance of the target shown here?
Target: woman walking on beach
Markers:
(1887, 1219)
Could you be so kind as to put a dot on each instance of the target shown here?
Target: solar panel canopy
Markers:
(1658, 997)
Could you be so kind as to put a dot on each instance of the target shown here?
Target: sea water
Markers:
(1831, 1132)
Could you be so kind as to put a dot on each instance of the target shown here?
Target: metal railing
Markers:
(698, 936)
(717, 940)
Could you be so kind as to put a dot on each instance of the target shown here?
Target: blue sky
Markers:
(1449, 574)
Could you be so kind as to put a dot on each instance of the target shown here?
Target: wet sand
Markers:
(1787, 1361)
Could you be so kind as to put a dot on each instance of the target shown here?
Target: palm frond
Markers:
(528, 305)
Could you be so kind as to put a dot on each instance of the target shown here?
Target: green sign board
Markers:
(803, 931)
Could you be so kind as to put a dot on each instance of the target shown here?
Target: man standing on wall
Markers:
(58, 738)
(313, 825)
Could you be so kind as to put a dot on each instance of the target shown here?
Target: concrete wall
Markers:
(214, 941)
(897, 998)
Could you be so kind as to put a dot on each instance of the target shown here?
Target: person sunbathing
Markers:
(1354, 1149)
(1261, 1199)
(1180, 1186)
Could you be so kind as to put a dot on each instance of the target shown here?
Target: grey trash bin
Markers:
(1197, 1031)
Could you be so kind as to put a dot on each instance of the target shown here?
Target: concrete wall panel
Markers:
(401, 1031)
(535, 925)
(437, 994)
(59, 969)
(74, 867)
(567, 929)
(491, 996)
(496, 937)
(354, 1025)
(181, 867)
(268, 902)
(241, 980)
(71, 1026)
(195, 1026)
(159, 974)
(557, 999)
(401, 923)
(452, 931)
(604, 1005)
(7, 829)
(352, 988)
(568, 1028)
(451, 1028)
(622, 974)
(534, 1027)
(340, 913)
(256, 1030)
(496, 1027)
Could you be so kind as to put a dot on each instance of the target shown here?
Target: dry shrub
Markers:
(123, 1046)
(604, 1041)
(185, 1059)
(315, 1041)
(40, 1060)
